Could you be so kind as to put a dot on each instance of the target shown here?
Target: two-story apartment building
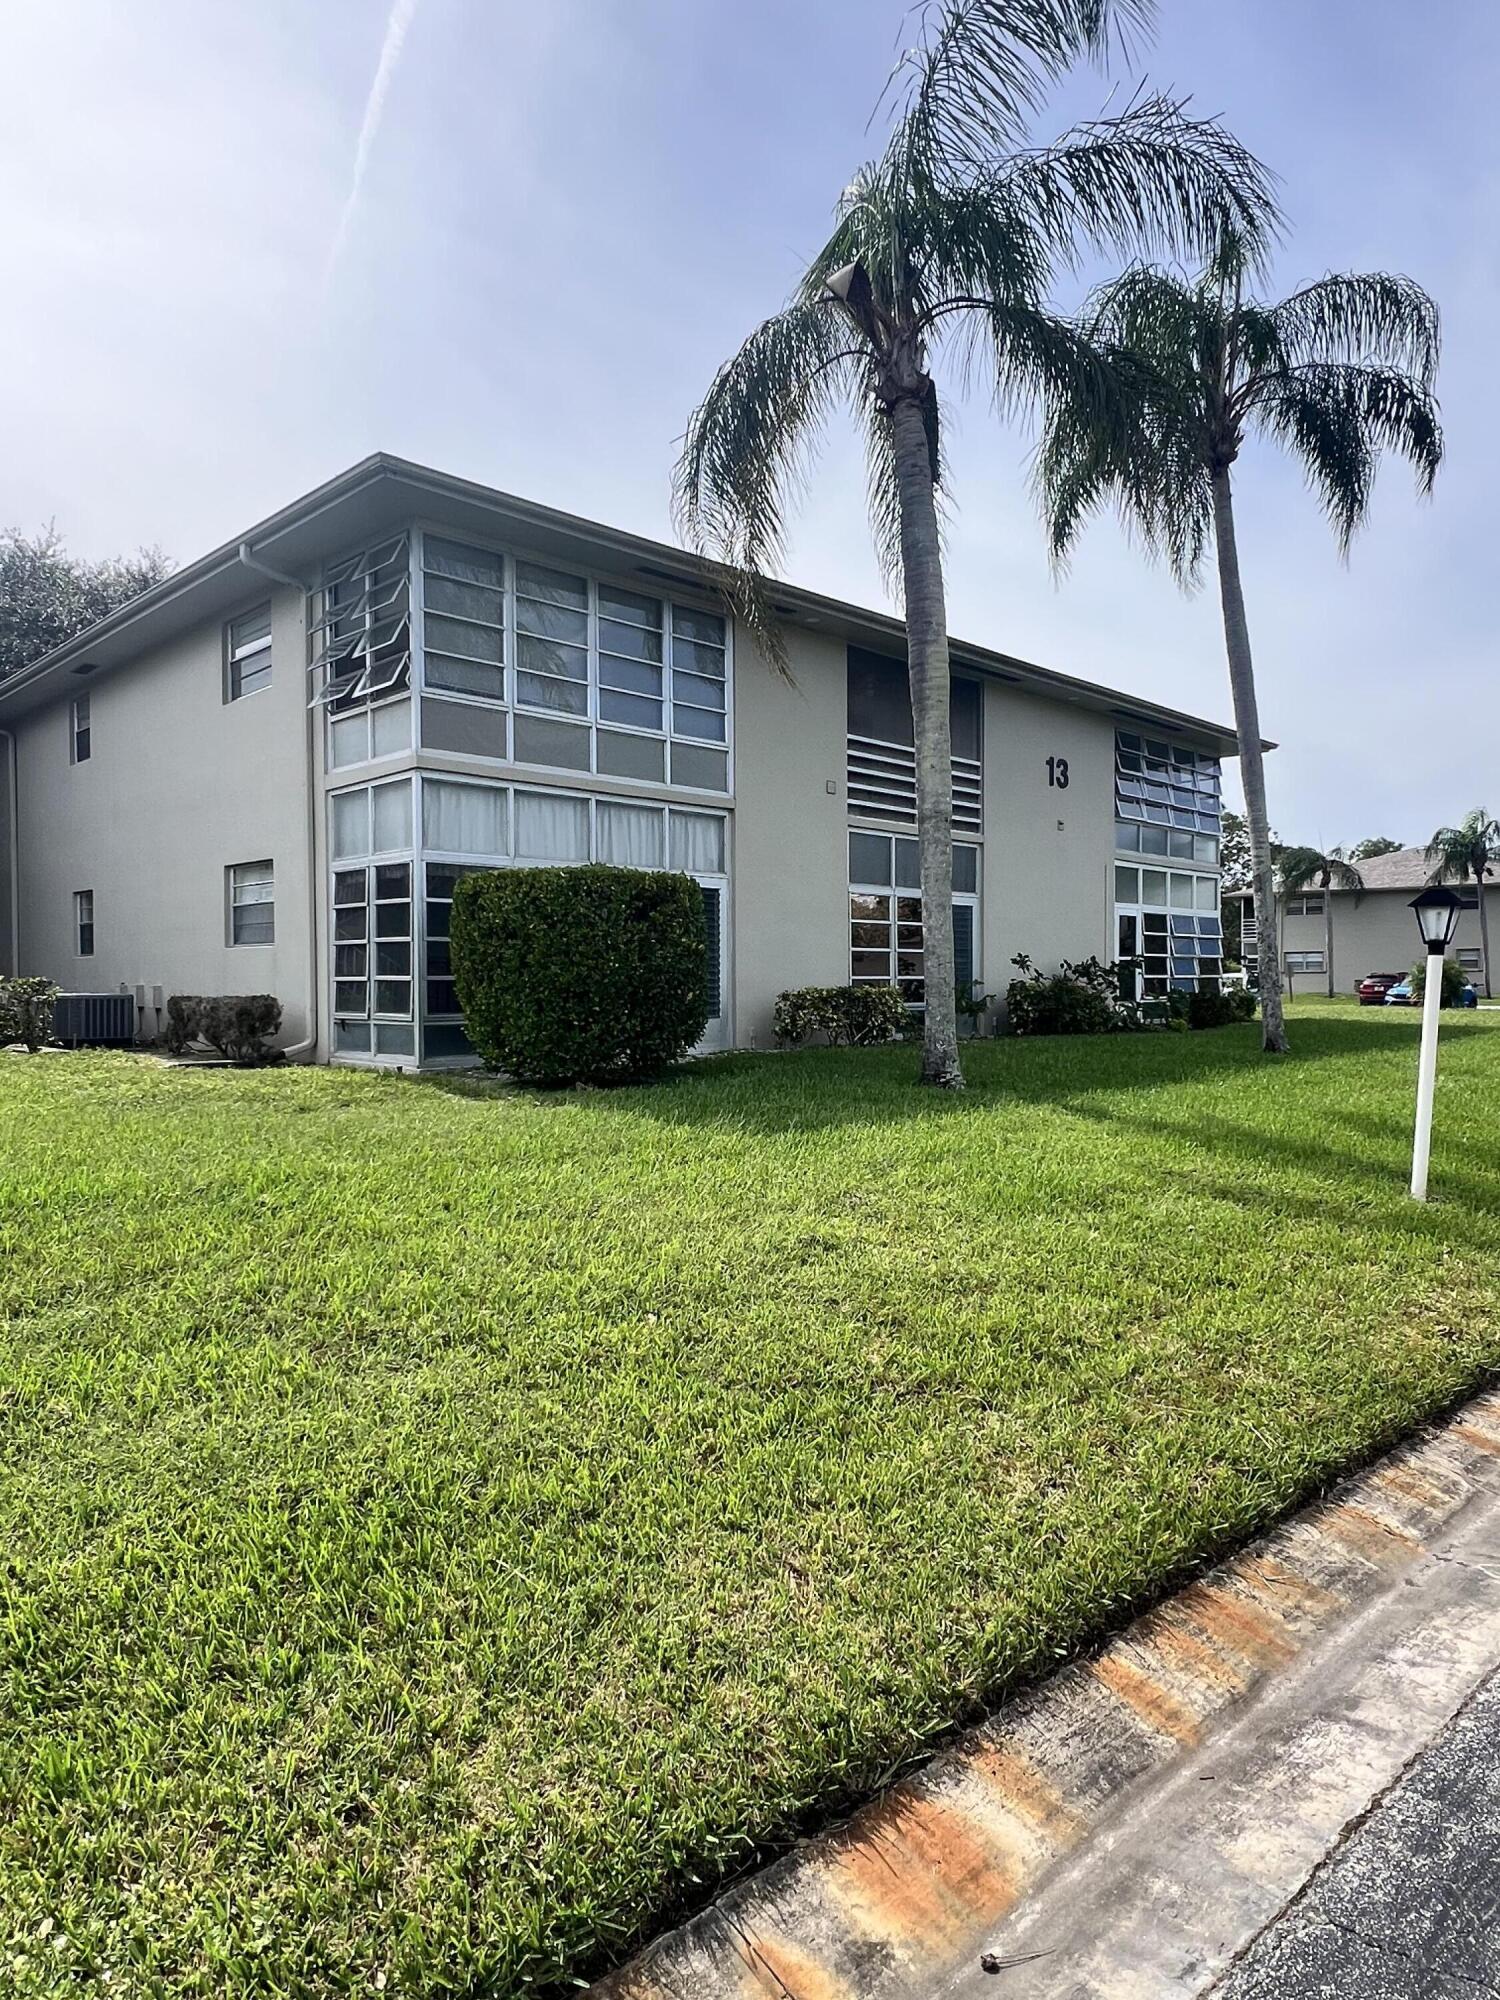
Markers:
(268, 773)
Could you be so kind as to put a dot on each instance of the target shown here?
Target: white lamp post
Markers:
(1437, 919)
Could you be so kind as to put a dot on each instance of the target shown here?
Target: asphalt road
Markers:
(1407, 1907)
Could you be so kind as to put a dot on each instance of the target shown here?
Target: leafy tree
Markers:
(947, 245)
(1336, 373)
(47, 596)
(1236, 876)
(1305, 868)
(1469, 852)
(1372, 849)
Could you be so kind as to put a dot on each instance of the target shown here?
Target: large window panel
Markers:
(550, 826)
(630, 836)
(697, 843)
(464, 819)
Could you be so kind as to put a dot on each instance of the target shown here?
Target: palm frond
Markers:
(747, 449)
(1299, 868)
(1151, 179)
(1363, 317)
(978, 71)
(1470, 849)
(1339, 417)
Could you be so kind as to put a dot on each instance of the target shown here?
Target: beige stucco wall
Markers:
(7, 860)
(789, 887)
(1045, 882)
(1377, 934)
(1047, 850)
(179, 785)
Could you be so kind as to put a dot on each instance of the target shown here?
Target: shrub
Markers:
(1080, 998)
(26, 1011)
(1455, 979)
(1211, 1008)
(581, 975)
(239, 1025)
(850, 1016)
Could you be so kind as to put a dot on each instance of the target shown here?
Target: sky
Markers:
(246, 245)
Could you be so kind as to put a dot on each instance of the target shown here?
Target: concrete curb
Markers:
(902, 1900)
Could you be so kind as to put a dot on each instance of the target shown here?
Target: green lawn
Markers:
(442, 1528)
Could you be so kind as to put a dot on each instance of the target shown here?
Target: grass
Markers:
(443, 1529)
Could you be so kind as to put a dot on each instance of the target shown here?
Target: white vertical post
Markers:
(1432, 1000)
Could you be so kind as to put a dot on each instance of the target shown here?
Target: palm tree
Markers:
(948, 241)
(1469, 852)
(1336, 373)
(1305, 868)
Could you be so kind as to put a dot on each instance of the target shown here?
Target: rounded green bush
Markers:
(580, 975)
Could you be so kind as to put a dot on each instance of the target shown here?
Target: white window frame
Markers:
(236, 899)
(83, 920)
(1470, 957)
(1305, 904)
(1308, 964)
(589, 719)
(964, 898)
(80, 729)
(237, 656)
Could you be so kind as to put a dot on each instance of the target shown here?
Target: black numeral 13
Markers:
(1057, 773)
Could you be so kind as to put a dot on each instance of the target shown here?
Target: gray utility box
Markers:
(94, 1020)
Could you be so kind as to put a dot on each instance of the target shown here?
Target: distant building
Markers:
(268, 773)
(1373, 931)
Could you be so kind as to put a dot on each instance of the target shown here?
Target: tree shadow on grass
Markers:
(816, 1090)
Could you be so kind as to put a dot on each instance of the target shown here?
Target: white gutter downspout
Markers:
(308, 1048)
(14, 802)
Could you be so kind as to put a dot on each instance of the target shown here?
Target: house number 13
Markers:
(1057, 773)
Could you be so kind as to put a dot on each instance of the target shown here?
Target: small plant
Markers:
(972, 1006)
(1211, 1007)
(850, 1016)
(1083, 997)
(581, 975)
(1455, 979)
(240, 1026)
(26, 1011)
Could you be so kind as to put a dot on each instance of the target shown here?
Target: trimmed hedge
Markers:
(580, 975)
(26, 1010)
(238, 1025)
(1211, 1008)
(850, 1016)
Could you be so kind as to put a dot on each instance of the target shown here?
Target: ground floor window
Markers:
(393, 915)
(885, 914)
(83, 921)
(1305, 961)
(252, 902)
(1168, 924)
(1470, 957)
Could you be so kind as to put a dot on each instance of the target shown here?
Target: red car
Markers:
(1373, 988)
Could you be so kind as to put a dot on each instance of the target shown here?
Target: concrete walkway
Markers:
(1156, 1822)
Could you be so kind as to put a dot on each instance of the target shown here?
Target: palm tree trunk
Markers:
(1484, 934)
(927, 661)
(1328, 937)
(1252, 764)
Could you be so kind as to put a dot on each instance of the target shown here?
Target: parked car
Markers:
(1373, 988)
(1401, 995)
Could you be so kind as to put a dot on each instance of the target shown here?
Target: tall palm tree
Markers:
(1305, 868)
(1469, 852)
(948, 241)
(1336, 373)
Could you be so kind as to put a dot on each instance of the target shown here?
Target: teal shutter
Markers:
(963, 949)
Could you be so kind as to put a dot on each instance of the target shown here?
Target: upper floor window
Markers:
(83, 922)
(252, 902)
(79, 738)
(1304, 906)
(248, 648)
(882, 764)
(599, 678)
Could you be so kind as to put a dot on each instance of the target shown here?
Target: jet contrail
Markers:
(400, 19)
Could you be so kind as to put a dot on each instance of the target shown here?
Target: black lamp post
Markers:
(1437, 912)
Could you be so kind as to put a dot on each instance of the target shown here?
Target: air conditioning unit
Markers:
(94, 1020)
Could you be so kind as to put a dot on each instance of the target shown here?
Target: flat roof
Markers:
(382, 492)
